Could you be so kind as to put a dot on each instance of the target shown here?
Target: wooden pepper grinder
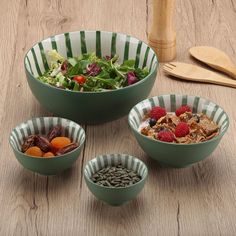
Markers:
(162, 36)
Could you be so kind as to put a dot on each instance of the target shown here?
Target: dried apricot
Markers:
(48, 154)
(34, 151)
(60, 142)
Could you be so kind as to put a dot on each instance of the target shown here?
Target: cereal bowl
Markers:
(42, 125)
(90, 107)
(115, 195)
(178, 154)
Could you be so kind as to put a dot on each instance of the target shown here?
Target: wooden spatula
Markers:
(195, 73)
(214, 58)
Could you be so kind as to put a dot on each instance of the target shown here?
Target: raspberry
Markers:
(157, 112)
(182, 110)
(166, 136)
(181, 129)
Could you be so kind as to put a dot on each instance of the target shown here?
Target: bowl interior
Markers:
(43, 125)
(103, 161)
(101, 42)
(172, 102)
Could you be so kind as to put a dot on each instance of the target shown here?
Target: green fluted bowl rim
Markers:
(42, 125)
(171, 102)
(128, 161)
(28, 67)
(34, 126)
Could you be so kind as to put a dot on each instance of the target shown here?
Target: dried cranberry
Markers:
(132, 78)
(93, 69)
(64, 66)
(108, 58)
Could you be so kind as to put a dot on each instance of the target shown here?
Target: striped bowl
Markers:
(110, 195)
(42, 125)
(172, 154)
(90, 107)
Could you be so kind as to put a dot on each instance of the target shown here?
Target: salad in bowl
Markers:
(88, 72)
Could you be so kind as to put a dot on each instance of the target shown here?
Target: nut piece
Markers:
(67, 149)
(42, 143)
(29, 142)
(54, 132)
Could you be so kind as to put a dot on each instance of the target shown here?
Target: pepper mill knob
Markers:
(162, 36)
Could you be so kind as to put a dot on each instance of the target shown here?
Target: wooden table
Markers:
(199, 200)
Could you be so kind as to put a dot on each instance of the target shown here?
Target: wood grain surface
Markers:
(199, 200)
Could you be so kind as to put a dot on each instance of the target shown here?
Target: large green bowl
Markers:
(110, 195)
(172, 154)
(90, 107)
(42, 125)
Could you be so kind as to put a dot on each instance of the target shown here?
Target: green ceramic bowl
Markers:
(42, 125)
(90, 107)
(171, 154)
(115, 196)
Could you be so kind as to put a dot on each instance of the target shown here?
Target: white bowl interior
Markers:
(43, 125)
(101, 42)
(103, 161)
(172, 101)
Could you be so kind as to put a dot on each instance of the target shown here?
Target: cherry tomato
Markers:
(79, 79)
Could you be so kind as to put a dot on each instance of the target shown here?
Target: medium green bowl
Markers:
(90, 107)
(171, 154)
(42, 125)
(115, 196)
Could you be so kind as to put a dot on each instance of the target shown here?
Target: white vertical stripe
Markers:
(90, 38)
(19, 135)
(54, 121)
(129, 162)
(61, 45)
(123, 159)
(210, 109)
(75, 44)
(17, 143)
(142, 54)
(222, 120)
(47, 47)
(106, 38)
(156, 101)
(166, 99)
(133, 48)
(31, 126)
(218, 112)
(102, 161)
(109, 160)
(134, 165)
(149, 59)
(39, 58)
(38, 125)
(178, 99)
(190, 101)
(120, 46)
(31, 59)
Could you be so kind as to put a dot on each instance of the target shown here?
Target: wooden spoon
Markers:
(195, 73)
(214, 58)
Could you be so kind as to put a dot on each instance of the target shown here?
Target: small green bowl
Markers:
(172, 154)
(110, 195)
(90, 107)
(42, 125)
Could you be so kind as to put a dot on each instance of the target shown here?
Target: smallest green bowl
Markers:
(111, 195)
(42, 125)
